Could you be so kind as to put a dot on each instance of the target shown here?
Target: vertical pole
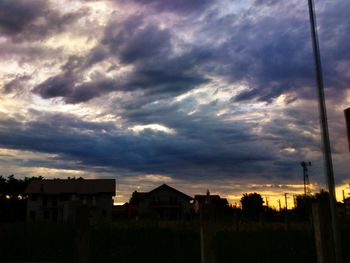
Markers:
(207, 233)
(325, 134)
(347, 120)
(303, 164)
(322, 232)
(286, 212)
(279, 204)
(285, 201)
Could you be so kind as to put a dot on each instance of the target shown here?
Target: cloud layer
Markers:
(201, 92)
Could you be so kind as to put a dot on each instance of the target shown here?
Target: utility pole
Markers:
(306, 177)
(286, 212)
(325, 135)
(279, 204)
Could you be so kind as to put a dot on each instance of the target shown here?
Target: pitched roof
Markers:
(65, 186)
(213, 198)
(167, 187)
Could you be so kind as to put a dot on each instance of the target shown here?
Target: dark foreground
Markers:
(125, 242)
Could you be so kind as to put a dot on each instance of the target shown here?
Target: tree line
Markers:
(12, 188)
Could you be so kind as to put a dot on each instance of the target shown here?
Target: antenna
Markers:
(305, 166)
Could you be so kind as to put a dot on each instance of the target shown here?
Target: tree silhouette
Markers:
(303, 205)
(13, 188)
(252, 204)
(12, 198)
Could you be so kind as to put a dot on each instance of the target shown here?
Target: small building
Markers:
(217, 204)
(162, 202)
(58, 200)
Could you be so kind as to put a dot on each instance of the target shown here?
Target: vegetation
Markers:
(12, 198)
(129, 242)
(252, 205)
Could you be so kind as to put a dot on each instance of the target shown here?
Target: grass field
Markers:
(125, 242)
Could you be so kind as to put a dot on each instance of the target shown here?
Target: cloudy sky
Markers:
(193, 93)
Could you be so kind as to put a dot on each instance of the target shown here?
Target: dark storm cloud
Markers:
(64, 86)
(132, 41)
(270, 52)
(57, 86)
(275, 54)
(178, 6)
(102, 144)
(16, 16)
(90, 90)
(146, 47)
(275, 57)
(334, 22)
(23, 20)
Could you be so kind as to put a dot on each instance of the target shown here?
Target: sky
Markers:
(197, 94)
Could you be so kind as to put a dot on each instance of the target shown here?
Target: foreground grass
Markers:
(36, 242)
(129, 242)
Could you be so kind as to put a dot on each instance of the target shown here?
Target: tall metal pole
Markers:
(325, 134)
(347, 120)
(306, 177)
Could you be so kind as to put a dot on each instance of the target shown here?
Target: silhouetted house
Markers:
(58, 199)
(217, 204)
(133, 205)
(163, 202)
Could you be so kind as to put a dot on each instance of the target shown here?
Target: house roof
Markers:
(70, 186)
(167, 187)
(213, 198)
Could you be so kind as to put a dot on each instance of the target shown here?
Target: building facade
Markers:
(59, 200)
(164, 202)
